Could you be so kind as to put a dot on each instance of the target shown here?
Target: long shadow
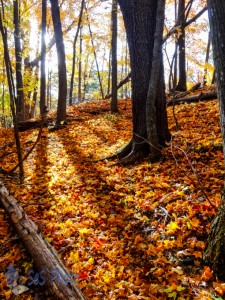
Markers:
(40, 179)
(113, 219)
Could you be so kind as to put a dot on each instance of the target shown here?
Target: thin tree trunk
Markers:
(95, 56)
(18, 54)
(207, 60)
(74, 52)
(43, 57)
(182, 84)
(114, 104)
(109, 72)
(80, 66)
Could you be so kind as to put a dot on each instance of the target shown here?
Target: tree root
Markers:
(131, 158)
(122, 152)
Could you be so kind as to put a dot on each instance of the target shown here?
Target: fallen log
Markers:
(196, 98)
(120, 84)
(31, 124)
(52, 273)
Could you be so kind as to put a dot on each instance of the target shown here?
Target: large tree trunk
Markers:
(62, 88)
(140, 22)
(62, 286)
(214, 255)
(151, 116)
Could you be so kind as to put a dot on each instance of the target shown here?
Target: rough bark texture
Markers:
(62, 89)
(152, 133)
(214, 255)
(44, 256)
(140, 20)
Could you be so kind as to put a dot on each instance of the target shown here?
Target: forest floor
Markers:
(128, 232)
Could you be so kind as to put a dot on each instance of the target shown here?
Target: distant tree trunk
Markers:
(207, 60)
(182, 84)
(114, 105)
(80, 66)
(18, 54)
(49, 88)
(43, 56)
(109, 72)
(95, 56)
(175, 50)
(214, 255)
(62, 89)
(3, 89)
(140, 23)
(74, 52)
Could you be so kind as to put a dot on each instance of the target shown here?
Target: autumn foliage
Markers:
(134, 232)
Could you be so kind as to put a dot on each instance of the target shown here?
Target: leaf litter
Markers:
(134, 232)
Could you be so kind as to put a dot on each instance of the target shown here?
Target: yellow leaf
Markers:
(172, 227)
(74, 256)
(83, 230)
(91, 260)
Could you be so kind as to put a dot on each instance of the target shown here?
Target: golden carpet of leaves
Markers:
(134, 232)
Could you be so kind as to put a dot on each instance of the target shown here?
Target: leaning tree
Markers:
(214, 255)
(140, 18)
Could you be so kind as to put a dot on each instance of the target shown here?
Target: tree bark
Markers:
(44, 256)
(18, 53)
(43, 56)
(74, 53)
(140, 21)
(151, 116)
(11, 86)
(114, 104)
(214, 255)
(62, 87)
(182, 84)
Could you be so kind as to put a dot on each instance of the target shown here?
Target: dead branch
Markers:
(57, 278)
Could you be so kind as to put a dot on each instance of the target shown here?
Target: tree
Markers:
(74, 53)
(140, 23)
(12, 93)
(114, 106)
(182, 85)
(43, 56)
(214, 255)
(62, 87)
(18, 55)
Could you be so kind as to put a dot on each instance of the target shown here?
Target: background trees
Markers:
(96, 45)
